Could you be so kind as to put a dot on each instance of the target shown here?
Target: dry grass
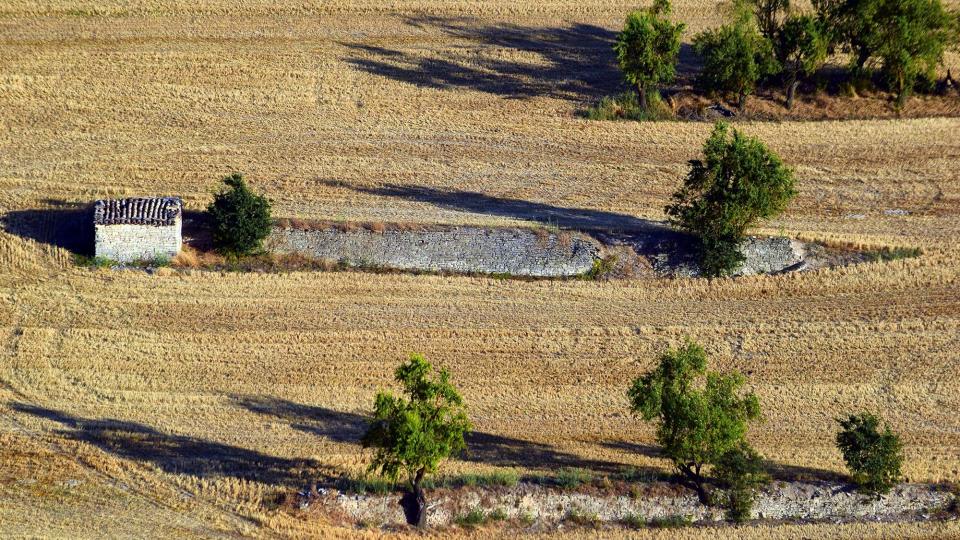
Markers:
(227, 388)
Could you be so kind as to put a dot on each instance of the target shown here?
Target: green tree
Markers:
(908, 37)
(413, 435)
(735, 58)
(873, 457)
(770, 15)
(738, 182)
(740, 472)
(911, 41)
(647, 49)
(700, 415)
(240, 218)
(801, 50)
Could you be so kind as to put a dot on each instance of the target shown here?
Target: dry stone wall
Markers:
(128, 243)
(515, 251)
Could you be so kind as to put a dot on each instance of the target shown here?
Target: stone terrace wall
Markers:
(516, 251)
(128, 243)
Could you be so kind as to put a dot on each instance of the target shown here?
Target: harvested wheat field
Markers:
(180, 404)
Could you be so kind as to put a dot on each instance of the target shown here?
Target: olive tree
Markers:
(770, 15)
(647, 49)
(240, 217)
(412, 435)
(738, 182)
(700, 415)
(910, 40)
(735, 58)
(873, 457)
(801, 50)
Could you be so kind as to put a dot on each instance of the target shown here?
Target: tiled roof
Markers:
(157, 211)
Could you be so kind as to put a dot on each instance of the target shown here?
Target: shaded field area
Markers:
(185, 404)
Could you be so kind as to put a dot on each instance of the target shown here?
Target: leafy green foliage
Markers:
(873, 457)
(647, 49)
(626, 107)
(572, 478)
(801, 50)
(739, 182)
(907, 36)
(735, 58)
(700, 415)
(413, 435)
(740, 471)
(911, 41)
(770, 15)
(241, 218)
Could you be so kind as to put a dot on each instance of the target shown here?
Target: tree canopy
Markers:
(647, 49)
(413, 435)
(738, 182)
(240, 218)
(735, 58)
(700, 415)
(873, 457)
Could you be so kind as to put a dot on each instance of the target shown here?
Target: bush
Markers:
(571, 478)
(735, 58)
(739, 182)
(647, 50)
(471, 519)
(626, 107)
(873, 457)
(583, 517)
(700, 415)
(415, 434)
(892, 254)
(740, 471)
(240, 218)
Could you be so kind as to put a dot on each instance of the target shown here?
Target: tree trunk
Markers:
(414, 503)
(642, 92)
(742, 101)
(792, 90)
(692, 475)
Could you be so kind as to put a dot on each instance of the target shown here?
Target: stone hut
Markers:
(128, 230)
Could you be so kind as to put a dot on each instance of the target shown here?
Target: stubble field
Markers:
(180, 404)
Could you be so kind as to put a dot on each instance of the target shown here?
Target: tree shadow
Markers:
(181, 454)
(649, 238)
(482, 447)
(64, 225)
(575, 61)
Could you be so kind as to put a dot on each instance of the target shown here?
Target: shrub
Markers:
(240, 218)
(572, 478)
(647, 49)
(700, 415)
(873, 457)
(801, 50)
(739, 182)
(735, 58)
(634, 521)
(583, 517)
(670, 522)
(892, 254)
(471, 519)
(626, 107)
(415, 434)
(601, 267)
(740, 471)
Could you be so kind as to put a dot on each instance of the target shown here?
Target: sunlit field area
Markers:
(186, 403)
